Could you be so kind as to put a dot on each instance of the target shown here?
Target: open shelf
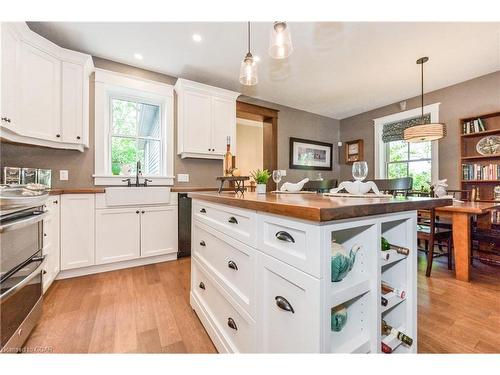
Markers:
(397, 316)
(354, 336)
(392, 302)
(481, 134)
(394, 257)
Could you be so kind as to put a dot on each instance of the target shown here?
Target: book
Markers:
(481, 125)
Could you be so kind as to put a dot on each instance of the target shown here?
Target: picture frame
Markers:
(310, 155)
(354, 151)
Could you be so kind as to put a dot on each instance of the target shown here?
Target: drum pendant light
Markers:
(424, 132)
(248, 68)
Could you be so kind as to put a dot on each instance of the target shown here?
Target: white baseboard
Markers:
(115, 266)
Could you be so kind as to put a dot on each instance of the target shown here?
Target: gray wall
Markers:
(291, 123)
(476, 96)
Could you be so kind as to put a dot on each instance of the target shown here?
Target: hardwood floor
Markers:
(146, 310)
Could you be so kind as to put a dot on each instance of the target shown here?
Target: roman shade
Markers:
(393, 131)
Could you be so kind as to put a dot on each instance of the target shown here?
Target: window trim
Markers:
(109, 85)
(380, 147)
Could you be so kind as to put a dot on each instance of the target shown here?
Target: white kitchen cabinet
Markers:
(39, 94)
(158, 230)
(45, 90)
(288, 318)
(77, 230)
(206, 117)
(9, 86)
(117, 234)
(51, 241)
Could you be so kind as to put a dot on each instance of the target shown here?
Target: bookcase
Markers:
(479, 172)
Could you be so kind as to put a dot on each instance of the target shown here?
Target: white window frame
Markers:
(110, 85)
(380, 146)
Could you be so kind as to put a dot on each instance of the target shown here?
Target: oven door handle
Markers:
(10, 292)
(23, 223)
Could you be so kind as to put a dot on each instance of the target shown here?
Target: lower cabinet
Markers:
(130, 233)
(77, 230)
(117, 234)
(288, 308)
(51, 242)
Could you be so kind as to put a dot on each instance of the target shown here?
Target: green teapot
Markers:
(341, 262)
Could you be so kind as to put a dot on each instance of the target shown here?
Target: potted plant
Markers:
(261, 177)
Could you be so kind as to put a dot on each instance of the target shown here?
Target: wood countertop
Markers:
(91, 190)
(473, 208)
(317, 207)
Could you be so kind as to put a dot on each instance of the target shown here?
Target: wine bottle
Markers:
(400, 250)
(228, 159)
(386, 288)
(387, 330)
(384, 301)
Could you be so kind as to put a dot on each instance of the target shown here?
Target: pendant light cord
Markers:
(422, 91)
(248, 36)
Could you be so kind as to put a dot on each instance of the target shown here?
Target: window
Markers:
(134, 121)
(396, 158)
(414, 160)
(135, 136)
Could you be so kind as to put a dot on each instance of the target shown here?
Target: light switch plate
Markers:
(63, 175)
(183, 177)
(283, 172)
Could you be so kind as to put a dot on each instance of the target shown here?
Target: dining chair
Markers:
(395, 186)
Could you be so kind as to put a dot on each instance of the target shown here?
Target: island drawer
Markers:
(238, 223)
(296, 243)
(236, 328)
(229, 261)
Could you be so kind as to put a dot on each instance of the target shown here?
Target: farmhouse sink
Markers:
(133, 196)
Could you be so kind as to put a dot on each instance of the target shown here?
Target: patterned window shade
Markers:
(393, 131)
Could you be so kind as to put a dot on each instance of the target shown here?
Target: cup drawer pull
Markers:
(232, 265)
(284, 236)
(233, 220)
(203, 211)
(283, 304)
(202, 243)
(202, 285)
(231, 323)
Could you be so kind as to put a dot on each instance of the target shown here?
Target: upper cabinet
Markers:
(45, 90)
(206, 116)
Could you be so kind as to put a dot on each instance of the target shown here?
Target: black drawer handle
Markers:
(283, 304)
(233, 220)
(203, 211)
(284, 236)
(202, 286)
(231, 323)
(202, 243)
(232, 265)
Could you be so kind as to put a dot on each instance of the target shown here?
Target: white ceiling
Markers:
(336, 70)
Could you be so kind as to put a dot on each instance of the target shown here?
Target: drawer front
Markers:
(288, 316)
(238, 331)
(237, 223)
(295, 243)
(231, 262)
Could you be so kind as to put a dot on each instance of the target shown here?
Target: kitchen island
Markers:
(261, 277)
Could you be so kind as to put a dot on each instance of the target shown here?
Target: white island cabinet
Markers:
(261, 281)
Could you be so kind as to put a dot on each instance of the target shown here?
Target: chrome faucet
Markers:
(138, 173)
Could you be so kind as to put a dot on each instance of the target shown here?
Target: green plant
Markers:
(261, 176)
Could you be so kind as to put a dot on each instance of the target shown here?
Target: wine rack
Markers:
(360, 290)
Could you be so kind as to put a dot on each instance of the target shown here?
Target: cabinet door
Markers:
(117, 234)
(223, 124)
(72, 103)
(51, 242)
(158, 231)
(10, 56)
(196, 123)
(282, 287)
(39, 97)
(77, 230)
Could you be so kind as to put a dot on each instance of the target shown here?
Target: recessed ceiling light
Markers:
(138, 56)
(197, 37)
(256, 58)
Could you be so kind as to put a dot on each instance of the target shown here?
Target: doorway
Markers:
(259, 153)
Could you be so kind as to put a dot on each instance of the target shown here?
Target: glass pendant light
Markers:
(280, 41)
(424, 132)
(248, 68)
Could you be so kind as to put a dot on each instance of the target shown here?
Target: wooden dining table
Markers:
(461, 213)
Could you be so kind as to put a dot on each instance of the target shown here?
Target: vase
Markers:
(261, 189)
(338, 318)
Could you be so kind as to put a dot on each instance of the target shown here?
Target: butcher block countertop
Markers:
(91, 190)
(317, 207)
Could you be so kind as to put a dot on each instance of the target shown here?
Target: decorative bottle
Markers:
(228, 159)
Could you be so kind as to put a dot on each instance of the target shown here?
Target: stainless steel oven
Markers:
(21, 272)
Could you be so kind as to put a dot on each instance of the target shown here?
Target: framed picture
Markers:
(306, 154)
(354, 151)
